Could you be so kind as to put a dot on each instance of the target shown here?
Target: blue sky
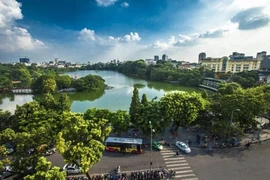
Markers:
(102, 30)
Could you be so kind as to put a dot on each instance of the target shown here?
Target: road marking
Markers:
(191, 179)
(167, 156)
(184, 175)
(175, 160)
(167, 153)
(179, 168)
(182, 172)
(172, 158)
(174, 165)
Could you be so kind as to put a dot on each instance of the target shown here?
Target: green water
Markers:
(119, 97)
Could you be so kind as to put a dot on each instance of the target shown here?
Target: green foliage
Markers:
(120, 121)
(44, 84)
(228, 88)
(134, 106)
(45, 171)
(182, 107)
(5, 82)
(153, 111)
(144, 101)
(89, 83)
(5, 119)
(63, 81)
(81, 141)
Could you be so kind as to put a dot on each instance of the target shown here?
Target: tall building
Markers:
(24, 60)
(165, 57)
(156, 58)
(202, 55)
(261, 55)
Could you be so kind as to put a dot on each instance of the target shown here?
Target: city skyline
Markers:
(101, 30)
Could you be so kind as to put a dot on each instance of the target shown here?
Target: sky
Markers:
(82, 31)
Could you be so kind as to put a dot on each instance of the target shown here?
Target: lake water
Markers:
(119, 97)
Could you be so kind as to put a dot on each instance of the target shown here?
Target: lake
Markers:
(119, 97)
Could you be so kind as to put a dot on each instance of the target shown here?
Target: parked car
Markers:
(157, 145)
(6, 173)
(72, 169)
(182, 146)
(10, 148)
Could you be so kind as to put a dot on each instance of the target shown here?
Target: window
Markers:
(232, 70)
(238, 68)
(245, 67)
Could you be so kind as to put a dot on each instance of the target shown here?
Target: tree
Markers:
(49, 85)
(64, 103)
(63, 81)
(134, 106)
(120, 121)
(228, 88)
(81, 141)
(89, 83)
(153, 112)
(44, 170)
(5, 119)
(144, 100)
(182, 107)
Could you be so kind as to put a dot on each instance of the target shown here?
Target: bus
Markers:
(118, 144)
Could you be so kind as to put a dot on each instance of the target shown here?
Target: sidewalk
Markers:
(185, 135)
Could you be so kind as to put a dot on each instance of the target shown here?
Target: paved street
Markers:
(235, 163)
(128, 162)
(178, 163)
(225, 164)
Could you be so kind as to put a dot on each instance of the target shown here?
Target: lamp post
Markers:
(232, 119)
(150, 123)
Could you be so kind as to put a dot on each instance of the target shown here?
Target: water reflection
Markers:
(119, 97)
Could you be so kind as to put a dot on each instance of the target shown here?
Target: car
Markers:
(183, 146)
(72, 169)
(6, 173)
(157, 145)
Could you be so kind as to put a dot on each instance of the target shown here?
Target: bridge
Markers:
(16, 90)
(211, 83)
(21, 90)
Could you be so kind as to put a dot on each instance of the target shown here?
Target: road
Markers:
(235, 163)
(128, 162)
(225, 164)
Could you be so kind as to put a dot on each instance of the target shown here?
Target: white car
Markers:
(72, 169)
(182, 146)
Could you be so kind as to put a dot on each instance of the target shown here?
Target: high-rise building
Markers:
(165, 57)
(261, 55)
(24, 60)
(156, 58)
(202, 56)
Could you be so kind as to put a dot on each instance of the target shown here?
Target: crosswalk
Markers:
(177, 163)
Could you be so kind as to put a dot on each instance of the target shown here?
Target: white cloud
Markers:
(189, 40)
(124, 4)
(9, 11)
(87, 34)
(14, 38)
(105, 2)
(132, 37)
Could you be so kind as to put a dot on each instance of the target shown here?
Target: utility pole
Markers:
(150, 123)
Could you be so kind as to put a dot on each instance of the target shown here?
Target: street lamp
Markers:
(232, 119)
(150, 123)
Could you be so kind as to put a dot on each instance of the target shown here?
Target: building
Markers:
(237, 62)
(165, 57)
(265, 65)
(202, 55)
(156, 58)
(24, 60)
(261, 55)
